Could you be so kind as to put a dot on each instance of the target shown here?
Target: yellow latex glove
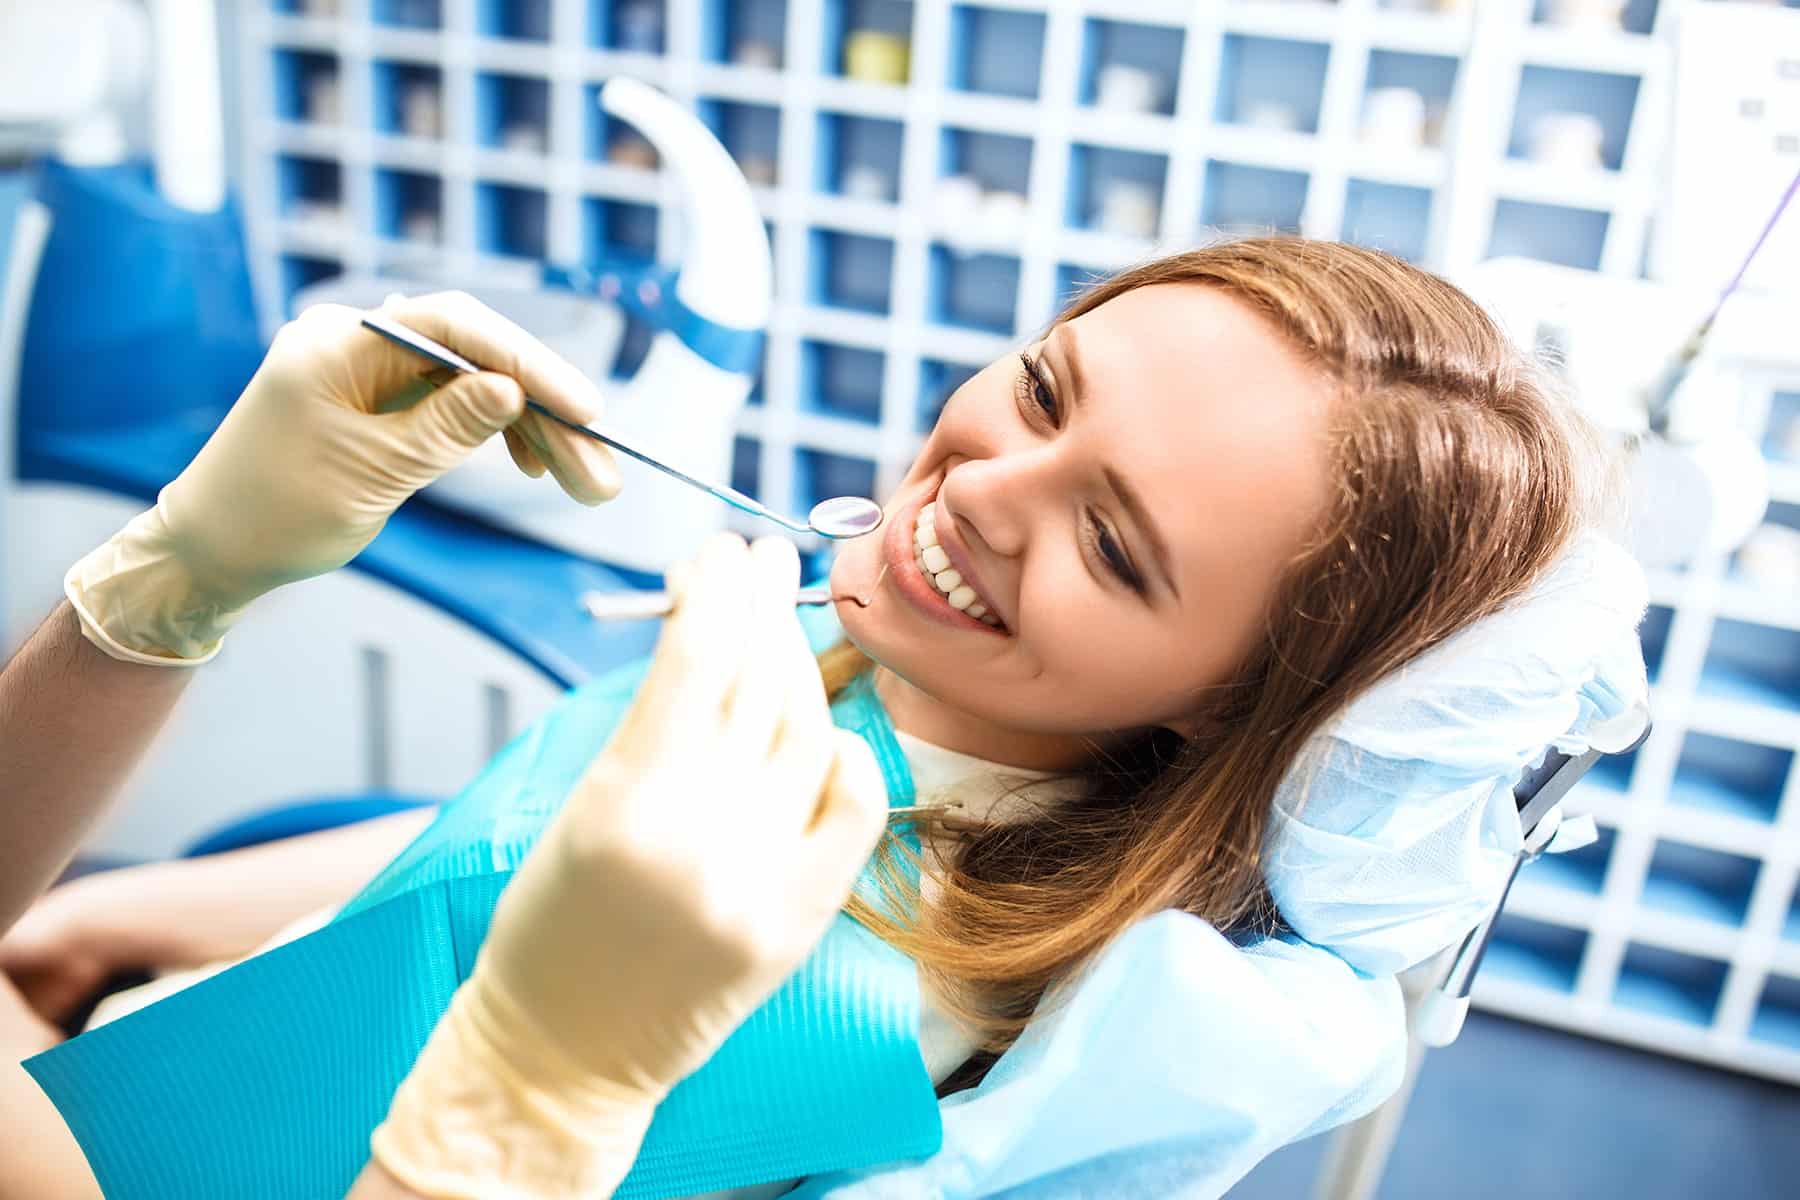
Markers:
(336, 429)
(696, 864)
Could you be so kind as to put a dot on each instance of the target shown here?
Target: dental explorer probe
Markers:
(837, 518)
(638, 605)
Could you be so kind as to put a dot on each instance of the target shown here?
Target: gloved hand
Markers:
(335, 430)
(695, 865)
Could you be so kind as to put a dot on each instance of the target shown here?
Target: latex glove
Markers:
(695, 866)
(335, 430)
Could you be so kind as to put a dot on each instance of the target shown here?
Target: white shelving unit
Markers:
(1681, 931)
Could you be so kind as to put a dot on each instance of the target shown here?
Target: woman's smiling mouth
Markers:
(934, 563)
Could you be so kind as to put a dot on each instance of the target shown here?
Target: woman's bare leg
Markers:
(39, 1158)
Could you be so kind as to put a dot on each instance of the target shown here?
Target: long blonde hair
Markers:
(1459, 478)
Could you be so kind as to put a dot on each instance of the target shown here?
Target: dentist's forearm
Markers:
(73, 723)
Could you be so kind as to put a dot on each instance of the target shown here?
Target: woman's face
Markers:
(1121, 499)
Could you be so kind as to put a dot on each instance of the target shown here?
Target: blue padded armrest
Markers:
(303, 816)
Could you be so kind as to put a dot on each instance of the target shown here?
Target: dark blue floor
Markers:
(1518, 1112)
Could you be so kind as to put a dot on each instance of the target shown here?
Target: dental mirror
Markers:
(837, 518)
(845, 517)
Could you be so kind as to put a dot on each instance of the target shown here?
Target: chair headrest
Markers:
(1393, 833)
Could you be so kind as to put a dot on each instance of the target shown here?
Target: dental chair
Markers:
(1438, 991)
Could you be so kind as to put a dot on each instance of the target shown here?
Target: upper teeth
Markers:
(934, 564)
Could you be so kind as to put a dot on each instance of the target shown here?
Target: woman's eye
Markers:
(1034, 390)
(1113, 554)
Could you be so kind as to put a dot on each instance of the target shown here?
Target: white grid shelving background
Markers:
(1681, 931)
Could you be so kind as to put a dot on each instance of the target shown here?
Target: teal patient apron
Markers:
(266, 1080)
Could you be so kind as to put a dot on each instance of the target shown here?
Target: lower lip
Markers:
(899, 553)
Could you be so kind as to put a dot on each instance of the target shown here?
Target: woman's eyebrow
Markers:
(1128, 497)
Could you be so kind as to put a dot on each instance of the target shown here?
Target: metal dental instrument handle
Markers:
(649, 606)
(838, 517)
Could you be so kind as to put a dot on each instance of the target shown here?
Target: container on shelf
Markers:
(1567, 139)
(1393, 116)
(1128, 67)
(874, 56)
(1127, 88)
(637, 26)
(1590, 15)
(865, 181)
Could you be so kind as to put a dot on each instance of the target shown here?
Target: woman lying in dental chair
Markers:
(1207, 638)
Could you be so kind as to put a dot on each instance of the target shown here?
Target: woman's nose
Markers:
(994, 497)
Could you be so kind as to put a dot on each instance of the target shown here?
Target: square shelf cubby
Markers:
(1535, 953)
(1127, 67)
(1571, 236)
(1781, 435)
(1653, 636)
(1388, 217)
(996, 51)
(820, 475)
(618, 231)
(1734, 778)
(307, 87)
(1703, 884)
(1241, 199)
(1582, 870)
(851, 270)
(938, 381)
(1777, 1018)
(1572, 119)
(409, 206)
(746, 466)
(301, 271)
(977, 291)
(997, 162)
(522, 20)
(1116, 191)
(633, 26)
(869, 41)
(1669, 984)
(751, 133)
(844, 381)
(512, 112)
(744, 33)
(407, 100)
(510, 220)
(1753, 664)
(310, 190)
(1595, 20)
(1271, 84)
(1405, 98)
(407, 14)
(858, 157)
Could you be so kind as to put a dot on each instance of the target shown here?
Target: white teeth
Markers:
(934, 563)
